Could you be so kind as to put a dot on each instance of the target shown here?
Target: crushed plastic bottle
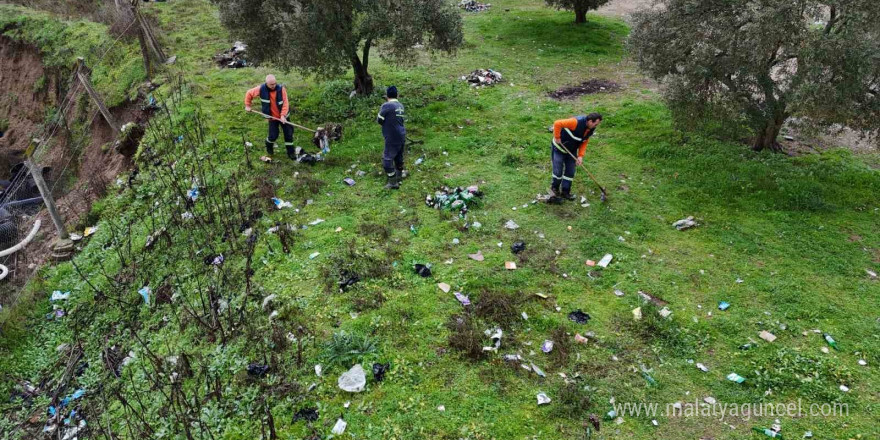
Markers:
(831, 342)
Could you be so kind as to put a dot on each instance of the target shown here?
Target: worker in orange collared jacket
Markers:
(273, 97)
(570, 138)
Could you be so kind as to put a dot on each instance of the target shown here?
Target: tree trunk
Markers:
(580, 16)
(363, 82)
(766, 138)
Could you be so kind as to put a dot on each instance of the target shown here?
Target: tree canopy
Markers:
(327, 36)
(758, 63)
(580, 7)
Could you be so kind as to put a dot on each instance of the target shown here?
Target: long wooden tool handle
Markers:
(586, 171)
(283, 122)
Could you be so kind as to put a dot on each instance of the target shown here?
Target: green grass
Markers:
(799, 232)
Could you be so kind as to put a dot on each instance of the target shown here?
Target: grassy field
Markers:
(785, 240)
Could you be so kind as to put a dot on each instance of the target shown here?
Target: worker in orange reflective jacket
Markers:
(274, 103)
(570, 139)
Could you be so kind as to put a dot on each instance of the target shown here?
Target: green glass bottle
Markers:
(830, 341)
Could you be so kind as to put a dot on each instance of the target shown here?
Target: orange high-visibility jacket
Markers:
(276, 112)
(571, 125)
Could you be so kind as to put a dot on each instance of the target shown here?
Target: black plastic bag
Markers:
(518, 247)
(422, 270)
(379, 371)
(579, 317)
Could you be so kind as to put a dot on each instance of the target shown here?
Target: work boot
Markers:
(291, 153)
(270, 148)
(393, 181)
(567, 195)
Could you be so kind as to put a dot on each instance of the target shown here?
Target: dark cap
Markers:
(391, 92)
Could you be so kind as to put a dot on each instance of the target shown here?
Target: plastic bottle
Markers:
(830, 341)
(768, 432)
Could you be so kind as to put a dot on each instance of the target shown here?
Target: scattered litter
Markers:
(654, 422)
(547, 346)
(482, 78)
(665, 312)
(525, 316)
(685, 223)
(476, 257)
(318, 370)
(316, 222)
(510, 265)
(422, 270)
(767, 336)
(844, 388)
(733, 377)
(591, 263)
(579, 317)
(456, 241)
(511, 225)
(339, 427)
(353, 380)
(145, 293)
(463, 299)
(496, 339)
(702, 367)
(517, 247)
(871, 273)
(233, 58)
(257, 370)
(863, 362)
(618, 292)
(441, 408)
(349, 181)
(537, 370)
(89, 231)
(281, 204)
(348, 279)
(723, 305)
(58, 296)
(307, 414)
(580, 339)
(586, 88)
(541, 295)
(543, 399)
(314, 255)
(709, 400)
(808, 434)
(214, 260)
(444, 287)
(637, 313)
(605, 261)
(474, 6)
(379, 371)
(825, 350)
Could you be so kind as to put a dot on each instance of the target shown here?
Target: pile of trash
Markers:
(234, 58)
(324, 135)
(482, 78)
(474, 6)
(458, 198)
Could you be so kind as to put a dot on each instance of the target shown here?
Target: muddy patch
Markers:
(590, 87)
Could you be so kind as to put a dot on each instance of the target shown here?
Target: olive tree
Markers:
(580, 7)
(328, 36)
(756, 63)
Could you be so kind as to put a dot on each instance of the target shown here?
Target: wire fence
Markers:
(72, 148)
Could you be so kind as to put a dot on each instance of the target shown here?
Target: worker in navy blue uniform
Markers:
(391, 118)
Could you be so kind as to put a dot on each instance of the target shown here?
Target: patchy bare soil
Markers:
(586, 88)
(80, 174)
